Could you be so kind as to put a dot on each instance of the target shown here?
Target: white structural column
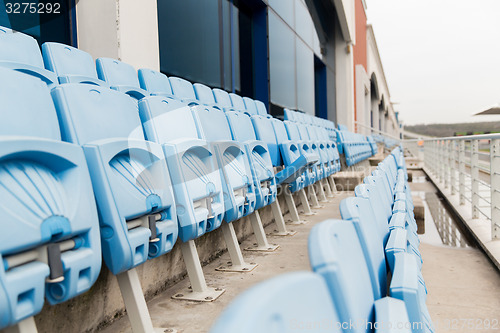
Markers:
(344, 71)
(126, 30)
(363, 100)
(375, 113)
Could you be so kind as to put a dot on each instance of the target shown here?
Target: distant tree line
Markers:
(455, 129)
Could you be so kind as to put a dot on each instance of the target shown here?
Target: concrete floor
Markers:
(194, 317)
(463, 286)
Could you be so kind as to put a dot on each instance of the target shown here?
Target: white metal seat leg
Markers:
(199, 290)
(328, 189)
(25, 326)
(133, 297)
(305, 203)
(321, 191)
(280, 221)
(292, 209)
(237, 263)
(262, 245)
(314, 198)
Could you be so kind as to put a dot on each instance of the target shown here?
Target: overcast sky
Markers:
(441, 57)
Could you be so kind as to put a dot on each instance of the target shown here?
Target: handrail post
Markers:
(474, 171)
(453, 167)
(495, 188)
(461, 171)
(441, 161)
(446, 164)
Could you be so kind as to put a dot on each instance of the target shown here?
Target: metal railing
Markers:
(465, 165)
(468, 166)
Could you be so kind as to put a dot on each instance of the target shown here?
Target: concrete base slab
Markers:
(210, 295)
(419, 212)
(255, 247)
(165, 330)
(238, 268)
(291, 222)
(374, 161)
(348, 180)
(283, 234)
(307, 214)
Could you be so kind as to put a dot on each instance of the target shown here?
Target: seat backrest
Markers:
(117, 73)
(161, 118)
(27, 109)
(275, 304)
(304, 134)
(279, 130)
(154, 82)
(376, 198)
(261, 108)
(292, 130)
(89, 113)
(312, 131)
(342, 128)
(20, 48)
(237, 102)
(359, 211)
(67, 60)
(336, 254)
(264, 131)
(300, 117)
(241, 126)
(204, 94)
(182, 89)
(222, 98)
(212, 123)
(289, 114)
(250, 106)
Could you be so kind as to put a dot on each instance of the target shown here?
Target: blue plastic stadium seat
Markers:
(360, 213)
(232, 159)
(304, 135)
(223, 100)
(250, 106)
(242, 130)
(293, 302)
(237, 102)
(261, 108)
(120, 76)
(290, 153)
(373, 144)
(336, 254)
(204, 94)
(406, 287)
(291, 174)
(183, 91)
(21, 53)
(192, 165)
(70, 64)
(289, 114)
(326, 163)
(129, 175)
(355, 146)
(156, 83)
(47, 205)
